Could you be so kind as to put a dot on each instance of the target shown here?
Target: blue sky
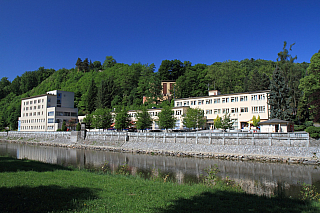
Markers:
(54, 33)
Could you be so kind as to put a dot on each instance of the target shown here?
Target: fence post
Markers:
(253, 139)
(185, 137)
(210, 138)
(223, 141)
(175, 138)
(237, 138)
(197, 138)
(164, 137)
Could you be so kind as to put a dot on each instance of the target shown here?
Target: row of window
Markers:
(32, 127)
(220, 100)
(32, 114)
(255, 109)
(33, 121)
(33, 101)
(34, 107)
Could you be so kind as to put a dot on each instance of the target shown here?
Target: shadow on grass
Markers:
(44, 198)
(222, 201)
(9, 164)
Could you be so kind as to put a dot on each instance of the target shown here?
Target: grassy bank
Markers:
(29, 186)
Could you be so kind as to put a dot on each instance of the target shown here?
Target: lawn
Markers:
(30, 186)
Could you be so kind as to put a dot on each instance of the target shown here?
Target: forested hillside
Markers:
(113, 85)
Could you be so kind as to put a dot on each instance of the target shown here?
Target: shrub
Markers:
(299, 127)
(308, 123)
(313, 131)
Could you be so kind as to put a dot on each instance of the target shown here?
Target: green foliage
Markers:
(90, 97)
(217, 122)
(101, 119)
(122, 119)
(313, 131)
(144, 119)
(109, 62)
(299, 127)
(194, 118)
(88, 120)
(78, 128)
(211, 177)
(279, 99)
(309, 193)
(64, 126)
(226, 122)
(166, 118)
(255, 121)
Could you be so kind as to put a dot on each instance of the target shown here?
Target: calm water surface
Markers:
(254, 177)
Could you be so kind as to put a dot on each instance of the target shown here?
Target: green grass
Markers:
(29, 186)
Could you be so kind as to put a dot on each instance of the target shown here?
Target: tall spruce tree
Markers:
(90, 98)
(279, 98)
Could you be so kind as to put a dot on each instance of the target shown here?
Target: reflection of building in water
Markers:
(253, 177)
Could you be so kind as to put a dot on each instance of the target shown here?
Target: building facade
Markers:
(241, 106)
(47, 112)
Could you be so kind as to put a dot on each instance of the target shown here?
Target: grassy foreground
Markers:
(29, 186)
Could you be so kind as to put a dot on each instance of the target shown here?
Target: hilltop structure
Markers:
(48, 111)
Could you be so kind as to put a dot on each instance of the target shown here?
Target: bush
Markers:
(58, 130)
(308, 123)
(313, 131)
(299, 127)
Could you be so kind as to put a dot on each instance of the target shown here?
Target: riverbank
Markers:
(283, 154)
(23, 183)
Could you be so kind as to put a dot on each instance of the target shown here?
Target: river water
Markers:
(254, 177)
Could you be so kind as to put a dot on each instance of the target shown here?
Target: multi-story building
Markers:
(47, 112)
(241, 107)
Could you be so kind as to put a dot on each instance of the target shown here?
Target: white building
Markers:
(47, 112)
(241, 106)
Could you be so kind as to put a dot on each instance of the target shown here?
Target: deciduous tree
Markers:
(194, 118)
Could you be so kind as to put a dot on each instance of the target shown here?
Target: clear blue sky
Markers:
(54, 33)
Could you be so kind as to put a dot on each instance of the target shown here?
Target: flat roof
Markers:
(230, 94)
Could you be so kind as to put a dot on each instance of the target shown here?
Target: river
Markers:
(254, 177)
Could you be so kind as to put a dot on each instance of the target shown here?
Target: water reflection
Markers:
(254, 177)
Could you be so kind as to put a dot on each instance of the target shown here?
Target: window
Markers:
(34, 107)
(38, 113)
(225, 100)
(209, 111)
(74, 114)
(30, 114)
(234, 110)
(38, 106)
(209, 101)
(186, 103)
(27, 108)
(234, 99)
(244, 109)
(30, 102)
(178, 112)
(262, 109)
(216, 100)
(50, 120)
(243, 98)
(39, 100)
(225, 110)
(51, 113)
(200, 102)
(217, 111)
(255, 109)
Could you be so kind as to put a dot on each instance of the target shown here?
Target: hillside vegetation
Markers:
(116, 85)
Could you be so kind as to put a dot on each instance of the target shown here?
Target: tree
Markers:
(85, 65)
(78, 128)
(194, 118)
(279, 99)
(105, 94)
(217, 122)
(109, 62)
(64, 126)
(171, 70)
(79, 64)
(102, 119)
(226, 122)
(90, 98)
(122, 120)
(166, 118)
(310, 85)
(255, 120)
(88, 121)
(144, 119)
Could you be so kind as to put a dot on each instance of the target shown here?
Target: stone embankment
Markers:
(268, 148)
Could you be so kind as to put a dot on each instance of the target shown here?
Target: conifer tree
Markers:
(279, 98)
(90, 98)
